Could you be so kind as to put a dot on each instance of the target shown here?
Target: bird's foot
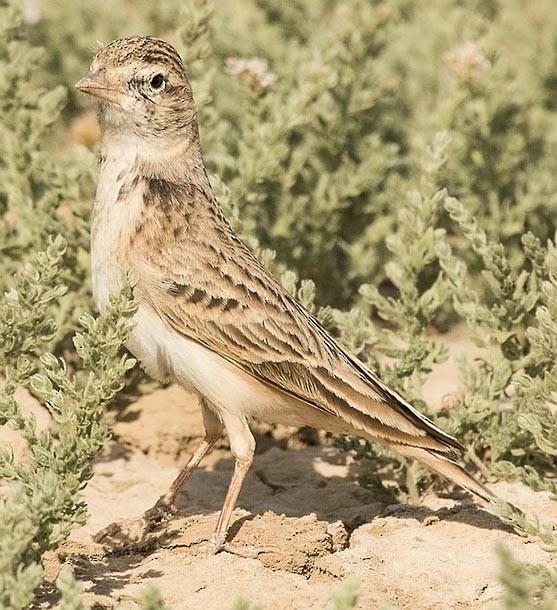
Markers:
(215, 546)
(131, 531)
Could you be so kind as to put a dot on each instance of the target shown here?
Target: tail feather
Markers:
(448, 468)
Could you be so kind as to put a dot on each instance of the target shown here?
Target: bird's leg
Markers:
(242, 445)
(133, 530)
(213, 431)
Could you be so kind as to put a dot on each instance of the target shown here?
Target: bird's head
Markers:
(142, 88)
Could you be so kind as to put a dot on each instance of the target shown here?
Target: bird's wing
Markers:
(209, 287)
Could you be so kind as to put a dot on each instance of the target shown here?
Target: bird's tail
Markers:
(447, 467)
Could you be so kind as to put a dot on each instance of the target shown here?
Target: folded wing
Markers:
(219, 295)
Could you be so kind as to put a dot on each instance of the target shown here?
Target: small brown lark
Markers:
(210, 316)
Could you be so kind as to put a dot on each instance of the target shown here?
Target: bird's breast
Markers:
(116, 211)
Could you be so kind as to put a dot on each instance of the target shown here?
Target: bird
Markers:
(210, 316)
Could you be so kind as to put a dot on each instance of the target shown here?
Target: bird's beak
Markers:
(96, 84)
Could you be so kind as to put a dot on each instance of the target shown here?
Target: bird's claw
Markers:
(215, 546)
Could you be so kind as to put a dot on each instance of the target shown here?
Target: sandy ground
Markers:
(303, 498)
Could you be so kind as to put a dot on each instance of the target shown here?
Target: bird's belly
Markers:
(167, 355)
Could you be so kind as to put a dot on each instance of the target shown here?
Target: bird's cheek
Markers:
(113, 115)
(130, 105)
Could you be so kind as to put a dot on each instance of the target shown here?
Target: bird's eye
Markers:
(157, 81)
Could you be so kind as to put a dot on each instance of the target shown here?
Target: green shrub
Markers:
(41, 276)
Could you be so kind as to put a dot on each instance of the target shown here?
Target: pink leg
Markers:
(213, 432)
(242, 445)
(133, 530)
